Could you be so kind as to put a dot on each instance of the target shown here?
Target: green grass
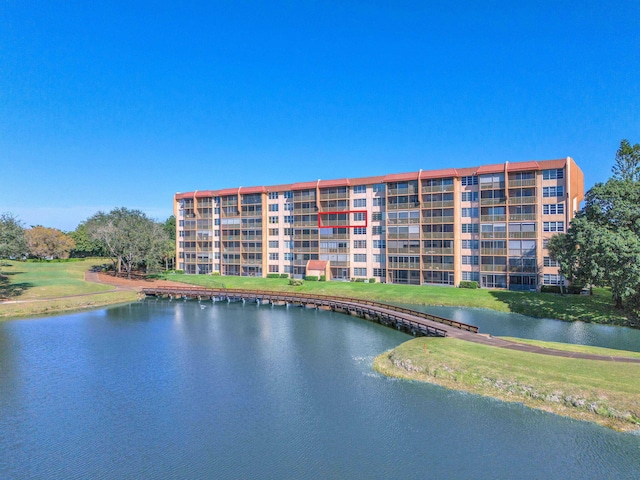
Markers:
(607, 393)
(571, 347)
(596, 308)
(52, 287)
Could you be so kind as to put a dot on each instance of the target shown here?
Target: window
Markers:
(274, 256)
(376, 216)
(288, 219)
(379, 187)
(273, 268)
(273, 207)
(471, 276)
(379, 244)
(378, 202)
(377, 230)
(273, 195)
(287, 194)
(288, 244)
(274, 232)
(359, 202)
(472, 180)
(470, 196)
(469, 228)
(553, 191)
(550, 262)
(288, 231)
(553, 226)
(470, 259)
(273, 243)
(288, 207)
(273, 220)
(359, 272)
(288, 269)
(288, 256)
(359, 217)
(470, 212)
(553, 209)
(216, 255)
(360, 231)
(552, 279)
(553, 174)
(470, 244)
(216, 221)
(360, 189)
(545, 242)
(377, 258)
(360, 258)
(359, 244)
(380, 272)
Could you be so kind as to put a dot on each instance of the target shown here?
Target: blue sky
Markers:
(107, 104)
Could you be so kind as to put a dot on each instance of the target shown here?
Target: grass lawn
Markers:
(38, 286)
(597, 308)
(604, 392)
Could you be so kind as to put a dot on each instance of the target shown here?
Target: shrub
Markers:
(311, 278)
(468, 284)
(372, 280)
(323, 278)
(215, 274)
(295, 282)
(273, 275)
(179, 272)
(571, 289)
(360, 280)
(284, 275)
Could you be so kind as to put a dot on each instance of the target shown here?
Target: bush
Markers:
(295, 282)
(215, 274)
(571, 289)
(372, 280)
(273, 275)
(468, 284)
(323, 278)
(311, 278)
(360, 280)
(284, 275)
(179, 272)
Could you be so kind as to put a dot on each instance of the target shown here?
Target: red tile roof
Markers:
(317, 265)
(400, 177)
(445, 173)
(342, 182)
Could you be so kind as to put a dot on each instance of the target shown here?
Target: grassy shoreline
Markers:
(45, 288)
(592, 309)
(606, 393)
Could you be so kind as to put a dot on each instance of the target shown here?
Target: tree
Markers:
(12, 239)
(129, 237)
(85, 247)
(48, 243)
(561, 249)
(627, 166)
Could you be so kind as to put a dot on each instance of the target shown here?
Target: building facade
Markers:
(489, 224)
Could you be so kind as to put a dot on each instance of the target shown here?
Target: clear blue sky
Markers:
(107, 104)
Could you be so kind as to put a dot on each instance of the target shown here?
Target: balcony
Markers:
(252, 261)
(437, 235)
(518, 217)
(402, 265)
(437, 204)
(230, 250)
(337, 236)
(402, 191)
(301, 211)
(403, 236)
(252, 213)
(409, 250)
(334, 196)
(493, 201)
(437, 266)
(492, 186)
(493, 235)
(437, 188)
(529, 182)
(224, 237)
(305, 236)
(305, 223)
(252, 237)
(306, 249)
(522, 200)
(326, 250)
(522, 234)
(446, 219)
(403, 221)
(251, 249)
(493, 218)
(437, 251)
(493, 251)
(402, 206)
(493, 268)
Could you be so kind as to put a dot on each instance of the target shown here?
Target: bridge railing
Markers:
(301, 297)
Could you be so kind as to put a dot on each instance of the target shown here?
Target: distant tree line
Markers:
(128, 237)
(602, 245)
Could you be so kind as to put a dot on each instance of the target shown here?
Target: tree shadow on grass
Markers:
(597, 309)
(10, 290)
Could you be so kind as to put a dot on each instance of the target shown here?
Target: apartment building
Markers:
(489, 224)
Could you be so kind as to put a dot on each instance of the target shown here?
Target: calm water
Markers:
(182, 390)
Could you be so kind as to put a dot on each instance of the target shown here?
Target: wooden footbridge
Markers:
(404, 319)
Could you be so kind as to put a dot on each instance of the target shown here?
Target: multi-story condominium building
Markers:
(489, 224)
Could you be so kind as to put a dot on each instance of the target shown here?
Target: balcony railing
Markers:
(493, 251)
(437, 188)
(493, 218)
(445, 219)
(522, 200)
(493, 268)
(437, 266)
(305, 236)
(522, 235)
(305, 223)
(437, 204)
(403, 221)
(403, 265)
(402, 191)
(518, 217)
(492, 186)
(299, 211)
(402, 236)
(402, 206)
(493, 201)
(334, 196)
(529, 182)
(437, 251)
(437, 235)
(411, 250)
(493, 235)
